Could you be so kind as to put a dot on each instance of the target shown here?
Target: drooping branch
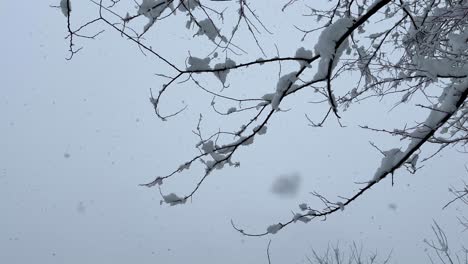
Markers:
(390, 163)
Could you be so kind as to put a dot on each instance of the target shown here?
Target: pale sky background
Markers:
(77, 137)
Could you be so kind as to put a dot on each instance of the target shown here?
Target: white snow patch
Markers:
(326, 45)
(260, 131)
(184, 166)
(223, 74)
(304, 54)
(299, 217)
(433, 68)
(284, 82)
(207, 28)
(152, 9)
(173, 199)
(273, 229)
(459, 42)
(341, 205)
(198, 64)
(65, 6)
(231, 110)
(447, 106)
(188, 4)
(391, 158)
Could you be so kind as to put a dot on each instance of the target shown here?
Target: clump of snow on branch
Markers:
(207, 28)
(260, 130)
(326, 45)
(184, 166)
(152, 9)
(391, 158)
(223, 74)
(172, 199)
(413, 161)
(65, 6)
(188, 5)
(446, 107)
(210, 148)
(231, 110)
(283, 84)
(432, 68)
(363, 64)
(245, 141)
(273, 229)
(341, 205)
(303, 54)
(197, 64)
(221, 154)
(302, 218)
(458, 42)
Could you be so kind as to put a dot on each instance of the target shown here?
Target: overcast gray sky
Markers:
(77, 137)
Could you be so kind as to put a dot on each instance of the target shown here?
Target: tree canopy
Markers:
(414, 51)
